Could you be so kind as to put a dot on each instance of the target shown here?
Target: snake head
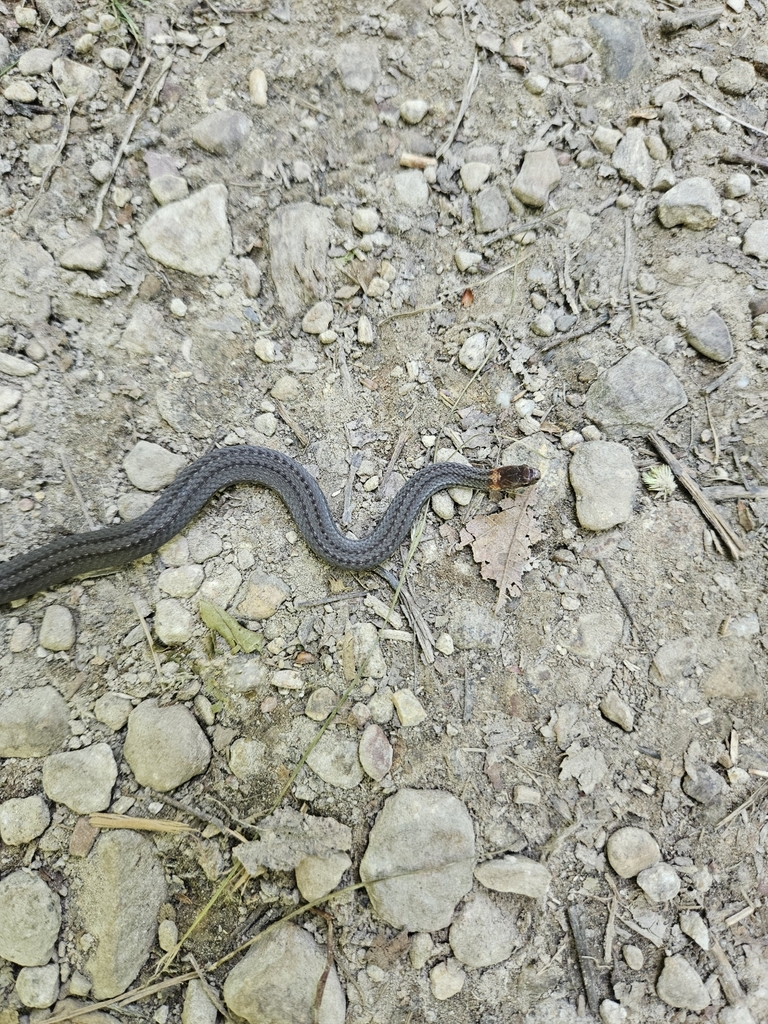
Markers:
(509, 478)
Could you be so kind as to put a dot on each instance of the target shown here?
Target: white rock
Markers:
(165, 747)
(38, 987)
(257, 87)
(514, 873)
(81, 779)
(23, 819)
(630, 850)
(57, 630)
(413, 111)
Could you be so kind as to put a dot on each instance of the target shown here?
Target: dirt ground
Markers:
(653, 610)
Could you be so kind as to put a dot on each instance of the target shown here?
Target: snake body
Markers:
(113, 546)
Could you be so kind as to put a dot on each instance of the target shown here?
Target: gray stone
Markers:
(121, 892)
(26, 282)
(692, 925)
(604, 481)
(703, 784)
(357, 63)
(738, 79)
(38, 987)
(36, 61)
(680, 986)
(318, 318)
(660, 882)
(23, 819)
(482, 933)
(88, 254)
(537, 177)
(411, 189)
(57, 630)
(711, 337)
(514, 873)
(635, 395)
(422, 849)
(335, 760)
(150, 467)
(115, 58)
(317, 876)
(618, 711)
(490, 210)
(192, 235)
(30, 918)
(413, 111)
(33, 723)
(632, 160)
(287, 837)
(568, 50)
(165, 747)
(756, 240)
(222, 132)
(692, 203)
(375, 752)
(81, 779)
(113, 710)
(75, 80)
(622, 47)
(630, 850)
(277, 981)
(474, 175)
(198, 1008)
(299, 236)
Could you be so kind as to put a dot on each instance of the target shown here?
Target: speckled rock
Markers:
(33, 723)
(165, 746)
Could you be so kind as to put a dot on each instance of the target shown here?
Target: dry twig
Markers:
(733, 544)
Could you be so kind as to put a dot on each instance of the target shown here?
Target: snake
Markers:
(113, 546)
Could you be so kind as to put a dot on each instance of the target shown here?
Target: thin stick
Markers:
(726, 113)
(732, 990)
(735, 547)
(742, 156)
(580, 333)
(70, 104)
(77, 492)
(715, 384)
(139, 79)
(147, 634)
(586, 955)
(124, 1000)
(153, 92)
(713, 428)
(468, 90)
(760, 791)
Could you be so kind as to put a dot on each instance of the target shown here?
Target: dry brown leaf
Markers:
(501, 543)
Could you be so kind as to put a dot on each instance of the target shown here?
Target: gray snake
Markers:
(113, 546)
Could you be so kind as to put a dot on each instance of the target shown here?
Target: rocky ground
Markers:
(370, 236)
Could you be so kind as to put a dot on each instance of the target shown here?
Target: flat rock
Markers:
(277, 981)
(483, 933)
(150, 467)
(738, 79)
(604, 480)
(75, 80)
(88, 254)
(660, 882)
(57, 630)
(692, 203)
(756, 240)
(81, 779)
(287, 837)
(635, 395)
(26, 281)
(317, 876)
(33, 723)
(38, 987)
(411, 189)
(165, 746)
(632, 160)
(357, 63)
(30, 918)
(335, 760)
(680, 986)
(537, 177)
(122, 888)
(429, 833)
(490, 210)
(711, 337)
(222, 132)
(299, 236)
(514, 873)
(23, 819)
(622, 48)
(192, 235)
